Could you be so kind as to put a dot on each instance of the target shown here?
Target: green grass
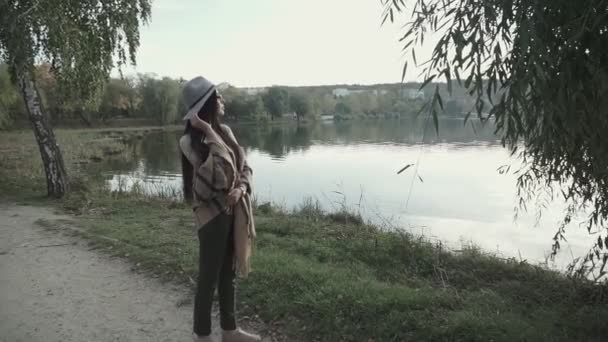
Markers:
(22, 173)
(329, 277)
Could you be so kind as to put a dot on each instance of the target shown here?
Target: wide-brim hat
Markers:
(196, 92)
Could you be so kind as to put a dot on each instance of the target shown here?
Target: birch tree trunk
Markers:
(54, 168)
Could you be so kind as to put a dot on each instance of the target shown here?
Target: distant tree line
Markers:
(158, 100)
(144, 96)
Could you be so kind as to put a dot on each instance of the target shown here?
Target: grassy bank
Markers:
(321, 276)
(21, 170)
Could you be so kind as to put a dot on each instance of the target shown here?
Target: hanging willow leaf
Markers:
(404, 168)
(545, 62)
(435, 120)
(427, 81)
(438, 96)
(396, 4)
(407, 45)
(457, 73)
(448, 79)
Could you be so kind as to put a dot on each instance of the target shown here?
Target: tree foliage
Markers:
(82, 40)
(11, 104)
(240, 106)
(137, 99)
(119, 99)
(301, 105)
(160, 98)
(539, 68)
(276, 101)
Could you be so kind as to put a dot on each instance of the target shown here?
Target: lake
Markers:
(452, 193)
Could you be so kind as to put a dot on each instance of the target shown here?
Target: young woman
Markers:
(217, 181)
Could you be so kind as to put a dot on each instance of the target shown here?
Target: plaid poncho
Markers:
(224, 169)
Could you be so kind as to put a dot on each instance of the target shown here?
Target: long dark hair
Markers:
(208, 113)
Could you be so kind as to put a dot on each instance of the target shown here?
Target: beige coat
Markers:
(224, 169)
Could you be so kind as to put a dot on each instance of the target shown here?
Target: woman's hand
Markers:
(235, 195)
(203, 125)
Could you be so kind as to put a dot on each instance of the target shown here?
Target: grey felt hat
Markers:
(196, 92)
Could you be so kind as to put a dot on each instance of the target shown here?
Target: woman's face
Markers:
(220, 105)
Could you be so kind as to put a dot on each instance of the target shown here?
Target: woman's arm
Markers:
(246, 174)
(195, 154)
(204, 126)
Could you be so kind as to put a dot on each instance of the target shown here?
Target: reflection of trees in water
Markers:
(127, 160)
(412, 132)
(156, 153)
(275, 143)
(278, 141)
(159, 151)
(301, 138)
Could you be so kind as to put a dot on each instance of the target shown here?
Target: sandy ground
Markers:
(54, 288)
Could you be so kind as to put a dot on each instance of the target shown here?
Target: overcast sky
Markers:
(268, 42)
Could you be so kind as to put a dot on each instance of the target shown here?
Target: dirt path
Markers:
(54, 288)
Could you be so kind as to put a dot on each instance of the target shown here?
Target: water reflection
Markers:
(279, 141)
(461, 195)
(158, 150)
(154, 165)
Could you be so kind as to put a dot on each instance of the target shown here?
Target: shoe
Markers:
(239, 335)
(197, 338)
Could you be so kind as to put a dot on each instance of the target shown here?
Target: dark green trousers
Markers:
(216, 270)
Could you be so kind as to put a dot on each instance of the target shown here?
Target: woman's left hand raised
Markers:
(203, 125)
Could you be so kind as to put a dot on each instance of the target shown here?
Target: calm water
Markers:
(455, 192)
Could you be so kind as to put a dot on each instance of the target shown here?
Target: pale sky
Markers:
(269, 42)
